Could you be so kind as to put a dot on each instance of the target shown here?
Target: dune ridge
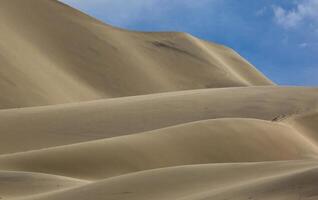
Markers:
(80, 122)
(202, 181)
(41, 53)
(211, 141)
(91, 111)
(16, 184)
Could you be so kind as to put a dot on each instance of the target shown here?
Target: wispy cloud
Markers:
(304, 11)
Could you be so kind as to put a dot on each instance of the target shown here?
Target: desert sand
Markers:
(91, 111)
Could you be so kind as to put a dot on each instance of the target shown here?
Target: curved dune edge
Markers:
(21, 184)
(211, 141)
(89, 111)
(306, 123)
(55, 54)
(245, 180)
(80, 122)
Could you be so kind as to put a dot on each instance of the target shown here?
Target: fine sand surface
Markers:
(90, 111)
(54, 54)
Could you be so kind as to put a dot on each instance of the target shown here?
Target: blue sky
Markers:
(280, 37)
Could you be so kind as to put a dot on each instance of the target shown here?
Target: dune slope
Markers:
(211, 141)
(51, 53)
(80, 122)
(22, 184)
(306, 123)
(90, 111)
(224, 181)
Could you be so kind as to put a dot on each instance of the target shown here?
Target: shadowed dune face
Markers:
(191, 120)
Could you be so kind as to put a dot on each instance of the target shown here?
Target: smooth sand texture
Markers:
(306, 123)
(52, 54)
(81, 122)
(271, 180)
(20, 184)
(90, 111)
(212, 141)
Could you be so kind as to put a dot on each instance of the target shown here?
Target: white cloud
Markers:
(304, 11)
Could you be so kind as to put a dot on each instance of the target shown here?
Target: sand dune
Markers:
(232, 181)
(306, 123)
(80, 122)
(90, 111)
(22, 184)
(43, 62)
(212, 141)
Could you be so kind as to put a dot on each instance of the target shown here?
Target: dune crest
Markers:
(53, 54)
(91, 111)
